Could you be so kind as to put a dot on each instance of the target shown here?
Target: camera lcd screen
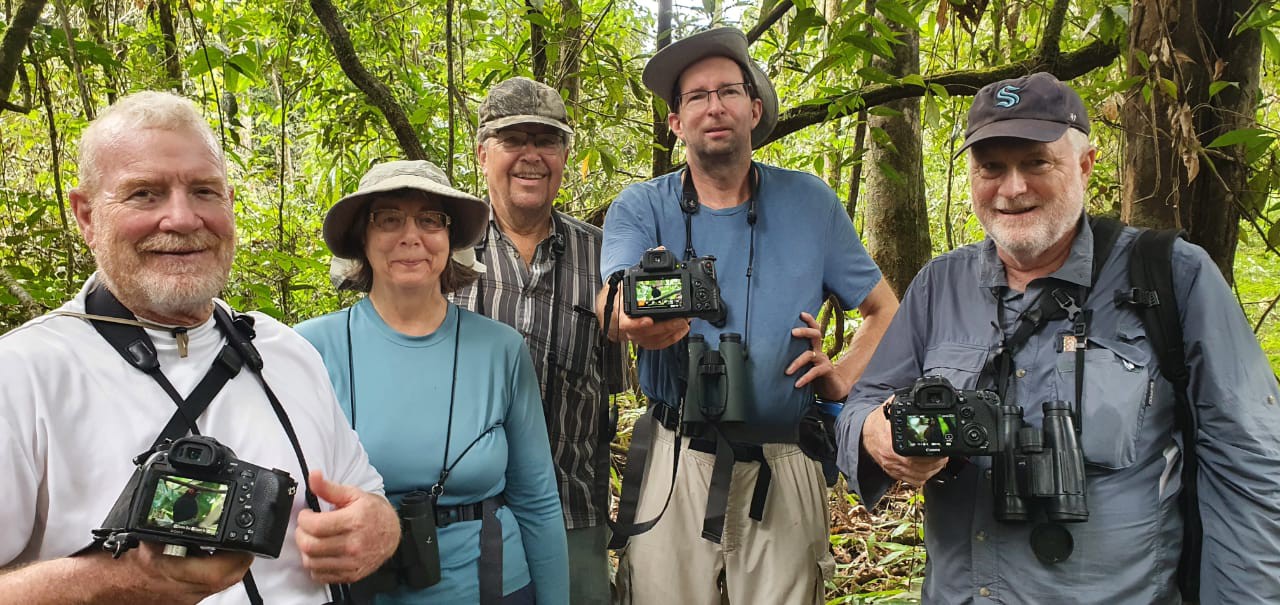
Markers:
(187, 506)
(931, 429)
(660, 293)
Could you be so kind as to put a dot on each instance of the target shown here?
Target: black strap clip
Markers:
(1137, 297)
(1066, 303)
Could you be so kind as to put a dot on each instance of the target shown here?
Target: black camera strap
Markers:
(122, 330)
(642, 435)
(1057, 303)
(689, 206)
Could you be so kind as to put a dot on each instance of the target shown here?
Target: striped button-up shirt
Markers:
(559, 286)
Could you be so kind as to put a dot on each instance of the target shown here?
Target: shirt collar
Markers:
(1078, 268)
(495, 231)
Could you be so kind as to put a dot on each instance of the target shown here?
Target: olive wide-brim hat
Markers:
(662, 72)
(468, 215)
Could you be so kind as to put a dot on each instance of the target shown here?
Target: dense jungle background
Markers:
(306, 95)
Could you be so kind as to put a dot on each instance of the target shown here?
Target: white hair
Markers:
(140, 111)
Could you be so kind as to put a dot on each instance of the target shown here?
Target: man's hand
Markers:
(828, 383)
(144, 576)
(189, 579)
(350, 542)
(644, 331)
(877, 440)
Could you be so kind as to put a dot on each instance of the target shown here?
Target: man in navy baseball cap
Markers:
(1065, 336)
(1036, 107)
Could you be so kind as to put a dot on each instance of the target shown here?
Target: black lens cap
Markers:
(1051, 542)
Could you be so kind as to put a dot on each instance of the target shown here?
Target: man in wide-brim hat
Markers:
(752, 528)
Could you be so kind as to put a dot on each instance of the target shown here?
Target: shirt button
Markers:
(984, 591)
(1020, 373)
(981, 536)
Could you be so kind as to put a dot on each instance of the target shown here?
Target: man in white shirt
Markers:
(154, 205)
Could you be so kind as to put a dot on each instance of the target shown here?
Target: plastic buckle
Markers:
(1066, 303)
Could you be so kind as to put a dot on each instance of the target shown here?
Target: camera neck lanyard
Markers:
(124, 332)
(1055, 304)
(550, 360)
(689, 206)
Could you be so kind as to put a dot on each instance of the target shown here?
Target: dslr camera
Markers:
(1031, 466)
(662, 287)
(718, 388)
(194, 492)
(933, 418)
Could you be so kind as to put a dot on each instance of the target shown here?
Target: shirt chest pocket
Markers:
(575, 340)
(1117, 388)
(960, 364)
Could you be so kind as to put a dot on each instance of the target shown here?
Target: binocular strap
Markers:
(722, 481)
(490, 564)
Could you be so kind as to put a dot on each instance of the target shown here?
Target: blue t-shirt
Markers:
(401, 412)
(805, 247)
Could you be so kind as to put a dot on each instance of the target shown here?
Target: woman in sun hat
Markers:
(445, 401)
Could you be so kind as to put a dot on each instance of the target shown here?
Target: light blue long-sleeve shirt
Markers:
(1128, 550)
(401, 413)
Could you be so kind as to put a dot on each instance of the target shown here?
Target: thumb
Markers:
(337, 494)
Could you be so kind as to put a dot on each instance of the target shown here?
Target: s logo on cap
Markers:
(1007, 96)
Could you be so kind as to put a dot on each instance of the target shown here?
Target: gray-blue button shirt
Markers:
(1128, 550)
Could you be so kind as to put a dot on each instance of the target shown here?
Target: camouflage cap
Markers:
(523, 101)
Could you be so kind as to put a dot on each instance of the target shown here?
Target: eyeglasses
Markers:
(392, 220)
(729, 93)
(515, 140)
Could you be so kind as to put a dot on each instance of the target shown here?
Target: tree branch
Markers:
(769, 19)
(1050, 44)
(20, 293)
(15, 39)
(14, 107)
(1066, 67)
(379, 94)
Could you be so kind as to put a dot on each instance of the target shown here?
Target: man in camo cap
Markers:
(542, 273)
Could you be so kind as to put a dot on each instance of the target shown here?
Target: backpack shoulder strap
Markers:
(1151, 293)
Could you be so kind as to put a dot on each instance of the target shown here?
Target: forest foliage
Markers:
(299, 128)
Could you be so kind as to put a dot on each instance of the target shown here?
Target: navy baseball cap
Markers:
(1036, 107)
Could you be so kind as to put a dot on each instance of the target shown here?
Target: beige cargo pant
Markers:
(780, 560)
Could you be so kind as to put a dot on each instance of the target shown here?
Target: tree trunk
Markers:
(378, 93)
(897, 223)
(663, 139)
(172, 62)
(537, 42)
(73, 60)
(450, 84)
(15, 39)
(571, 52)
(1170, 180)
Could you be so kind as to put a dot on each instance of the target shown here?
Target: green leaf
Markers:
(1169, 88)
(913, 80)
(246, 65)
(1217, 87)
(884, 112)
(538, 18)
(1248, 136)
(1270, 42)
(897, 13)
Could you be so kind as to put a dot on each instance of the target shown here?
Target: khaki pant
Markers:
(780, 560)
